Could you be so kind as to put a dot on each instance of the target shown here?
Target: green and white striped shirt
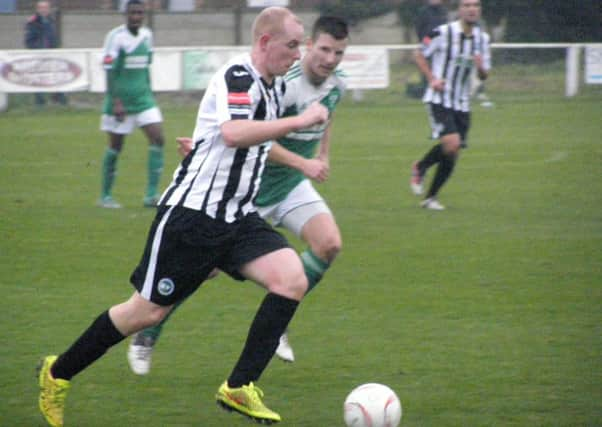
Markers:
(278, 180)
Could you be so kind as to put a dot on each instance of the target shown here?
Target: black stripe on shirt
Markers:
(251, 190)
(183, 172)
(233, 181)
(457, 68)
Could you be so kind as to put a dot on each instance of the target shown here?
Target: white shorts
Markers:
(299, 206)
(131, 121)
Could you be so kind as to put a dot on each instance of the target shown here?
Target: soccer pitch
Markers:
(486, 314)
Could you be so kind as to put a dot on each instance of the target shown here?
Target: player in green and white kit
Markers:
(286, 196)
(129, 101)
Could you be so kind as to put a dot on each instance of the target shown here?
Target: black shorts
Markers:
(445, 121)
(185, 245)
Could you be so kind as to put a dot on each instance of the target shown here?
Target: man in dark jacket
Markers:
(40, 33)
(430, 16)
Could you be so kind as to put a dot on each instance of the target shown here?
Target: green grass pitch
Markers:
(487, 314)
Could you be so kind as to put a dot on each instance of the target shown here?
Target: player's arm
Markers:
(324, 149)
(245, 133)
(315, 169)
(150, 60)
(111, 66)
(483, 60)
(118, 110)
(481, 72)
(424, 67)
(236, 102)
(430, 44)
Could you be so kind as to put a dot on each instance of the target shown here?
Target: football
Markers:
(372, 405)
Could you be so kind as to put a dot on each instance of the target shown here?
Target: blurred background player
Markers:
(129, 102)
(207, 220)
(41, 33)
(454, 50)
(286, 197)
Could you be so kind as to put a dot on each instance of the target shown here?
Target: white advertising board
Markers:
(52, 70)
(173, 69)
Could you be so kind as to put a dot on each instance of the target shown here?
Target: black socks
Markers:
(444, 171)
(271, 320)
(430, 158)
(93, 343)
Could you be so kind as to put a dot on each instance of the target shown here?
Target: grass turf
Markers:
(487, 314)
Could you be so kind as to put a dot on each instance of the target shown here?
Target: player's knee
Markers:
(291, 283)
(451, 144)
(155, 316)
(158, 141)
(116, 146)
(329, 247)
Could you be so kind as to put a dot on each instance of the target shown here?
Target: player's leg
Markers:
(444, 127)
(59, 98)
(450, 144)
(142, 344)
(315, 224)
(267, 260)
(109, 171)
(40, 99)
(150, 123)
(116, 132)
(108, 329)
(305, 213)
(320, 231)
(169, 270)
(281, 273)
(322, 235)
(433, 156)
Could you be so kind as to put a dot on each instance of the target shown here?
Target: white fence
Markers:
(173, 69)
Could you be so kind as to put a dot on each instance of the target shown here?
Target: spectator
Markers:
(430, 16)
(40, 33)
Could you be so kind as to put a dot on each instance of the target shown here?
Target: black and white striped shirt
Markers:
(452, 59)
(218, 180)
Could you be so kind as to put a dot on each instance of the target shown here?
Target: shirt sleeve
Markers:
(151, 42)
(234, 97)
(433, 41)
(110, 51)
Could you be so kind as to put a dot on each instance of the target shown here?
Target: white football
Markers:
(372, 405)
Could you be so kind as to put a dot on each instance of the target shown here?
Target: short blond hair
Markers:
(271, 21)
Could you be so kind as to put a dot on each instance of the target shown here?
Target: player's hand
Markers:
(315, 114)
(184, 145)
(118, 110)
(438, 85)
(478, 61)
(316, 169)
